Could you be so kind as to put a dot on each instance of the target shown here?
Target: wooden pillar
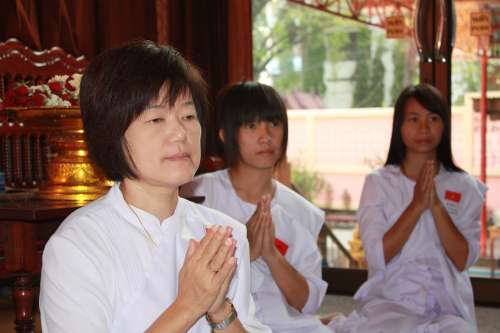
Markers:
(438, 72)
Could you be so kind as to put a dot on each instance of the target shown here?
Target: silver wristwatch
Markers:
(226, 322)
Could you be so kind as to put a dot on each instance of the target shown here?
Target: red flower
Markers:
(22, 90)
(38, 99)
(55, 87)
(68, 85)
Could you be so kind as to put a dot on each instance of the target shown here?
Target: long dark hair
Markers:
(431, 99)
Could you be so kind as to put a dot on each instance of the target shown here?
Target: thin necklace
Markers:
(142, 224)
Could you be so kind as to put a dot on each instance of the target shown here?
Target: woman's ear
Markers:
(221, 135)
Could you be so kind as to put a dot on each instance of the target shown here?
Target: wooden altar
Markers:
(23, 140)
(44, 158)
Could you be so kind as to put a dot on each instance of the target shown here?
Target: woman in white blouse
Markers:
(419, 222)
(141, 258)
(282, 226)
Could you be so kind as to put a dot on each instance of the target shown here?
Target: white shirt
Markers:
(297, 223)
(102, 273)
(420, 281)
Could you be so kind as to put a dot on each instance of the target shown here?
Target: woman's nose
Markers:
(425, 125)
(175, 130)
(264, 131)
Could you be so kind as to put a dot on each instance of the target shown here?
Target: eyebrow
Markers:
(154, 106)
(165, 103)
(188, 102)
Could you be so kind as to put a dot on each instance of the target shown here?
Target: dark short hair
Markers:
(244, 103)
(431, 99)
(118, 85)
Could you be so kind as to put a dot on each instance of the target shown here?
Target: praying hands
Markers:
(261, 232)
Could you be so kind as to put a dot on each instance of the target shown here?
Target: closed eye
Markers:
(156, 120)
(192, 116)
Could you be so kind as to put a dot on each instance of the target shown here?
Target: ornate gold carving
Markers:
(70, 173)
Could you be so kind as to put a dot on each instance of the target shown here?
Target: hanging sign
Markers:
(395, 27)
(480, 23)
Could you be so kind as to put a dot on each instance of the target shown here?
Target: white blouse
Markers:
(420, 283)
(102, 272)
(297, 224)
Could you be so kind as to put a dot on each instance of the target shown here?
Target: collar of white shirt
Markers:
(151, 223)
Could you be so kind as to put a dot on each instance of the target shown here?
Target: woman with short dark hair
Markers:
(419, 222)
(140, 258)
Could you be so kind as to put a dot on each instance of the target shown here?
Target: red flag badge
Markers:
(281, 246)
(452, 196)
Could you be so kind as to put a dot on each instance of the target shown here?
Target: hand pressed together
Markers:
(260, 231)
(424, 194)
(207, 272)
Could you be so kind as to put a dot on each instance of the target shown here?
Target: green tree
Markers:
(313, 69)
(289, 34)
(469, 77)
(362, 71)
(309, 183)
(377, 76)
(338, 41)
(293, 32)
(292, 79)
(398, 58)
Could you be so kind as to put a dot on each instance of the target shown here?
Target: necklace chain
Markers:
(142, 224)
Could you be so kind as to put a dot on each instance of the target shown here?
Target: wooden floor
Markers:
(487, 317)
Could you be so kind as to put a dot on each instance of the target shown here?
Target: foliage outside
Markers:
(308, 182)
(293, 45)
(466, 77)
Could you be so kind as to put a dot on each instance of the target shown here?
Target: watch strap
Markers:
(226, 322)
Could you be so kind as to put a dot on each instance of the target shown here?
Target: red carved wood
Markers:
(47, 62)
(19, 62)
